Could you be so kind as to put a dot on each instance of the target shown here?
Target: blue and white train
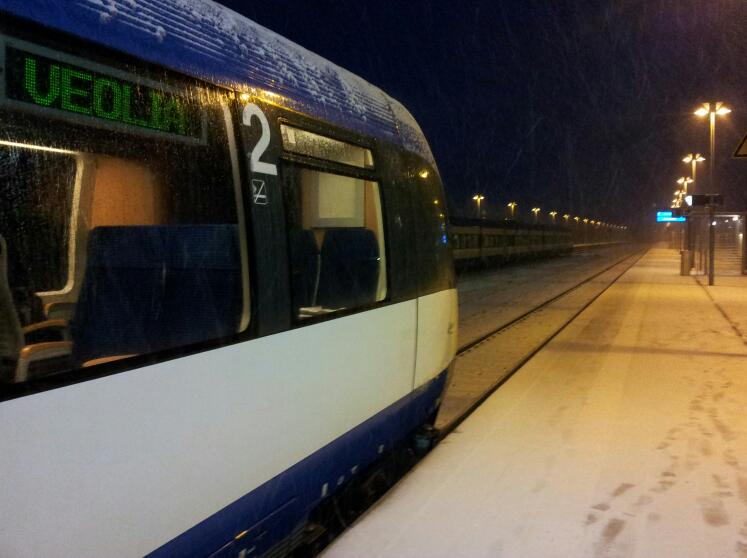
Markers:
(226, 286)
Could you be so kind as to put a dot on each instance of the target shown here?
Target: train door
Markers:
(321, 205)
(437, 299)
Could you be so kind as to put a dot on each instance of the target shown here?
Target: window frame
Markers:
(289, 160)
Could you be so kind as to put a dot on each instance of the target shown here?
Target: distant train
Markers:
(479, 243)
(226, 285)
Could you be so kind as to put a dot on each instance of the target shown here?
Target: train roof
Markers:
(211, 42)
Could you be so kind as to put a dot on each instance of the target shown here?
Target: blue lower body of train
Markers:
(261, 519)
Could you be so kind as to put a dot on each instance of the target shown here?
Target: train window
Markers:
(435, 267)
(115, 241)
(308, 143)
(336, 241)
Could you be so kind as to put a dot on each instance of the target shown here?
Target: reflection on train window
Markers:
(336, 242)
(435, 269)
(113, 245)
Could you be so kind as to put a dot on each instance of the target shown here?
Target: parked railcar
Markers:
(479, 242)
(226, 286)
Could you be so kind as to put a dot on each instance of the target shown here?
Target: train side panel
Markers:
(156, 451)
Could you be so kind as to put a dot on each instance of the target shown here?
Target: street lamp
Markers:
(512, 207)
(693, 159)
(683, 181)
(552, 216)
(536, 211)
(566, 217)
(478, 199)
(712, 109)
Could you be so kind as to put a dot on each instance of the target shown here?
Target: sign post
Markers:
(711, 243)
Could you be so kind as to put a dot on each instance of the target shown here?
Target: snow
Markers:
(214, 43)
(492, 298)
(482, 367)
(625, 437)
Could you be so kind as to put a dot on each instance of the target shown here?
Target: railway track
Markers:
(486, 362)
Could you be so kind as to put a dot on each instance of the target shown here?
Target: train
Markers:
(479, 243)
(226, 282)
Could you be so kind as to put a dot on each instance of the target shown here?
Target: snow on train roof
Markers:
(211, 42)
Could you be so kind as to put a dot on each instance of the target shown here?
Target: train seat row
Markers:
(343, 274)
(145, 289)
(150, 288)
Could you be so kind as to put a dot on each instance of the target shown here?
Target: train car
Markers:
(479, 243)
(226, 286)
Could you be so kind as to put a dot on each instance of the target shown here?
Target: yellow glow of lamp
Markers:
(697, 157)
(702, 111)
(478, 200)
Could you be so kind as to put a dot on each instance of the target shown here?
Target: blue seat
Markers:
(304, 267)
(151, 288)
(349, 274)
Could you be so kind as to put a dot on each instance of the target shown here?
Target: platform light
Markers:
(478, 200)
(701, 111)
(684, 181)
(697, 157)
(712, 110)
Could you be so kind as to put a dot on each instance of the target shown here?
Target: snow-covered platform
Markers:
(625, 437)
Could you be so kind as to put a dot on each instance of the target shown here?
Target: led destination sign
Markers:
(62, 87)
(668, 217)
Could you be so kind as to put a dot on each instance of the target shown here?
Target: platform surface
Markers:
(626, 436)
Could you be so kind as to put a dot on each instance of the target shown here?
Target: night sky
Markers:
(579, 106)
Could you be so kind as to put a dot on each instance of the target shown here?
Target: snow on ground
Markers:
(479, 369)
(625, 437)
(491, 298)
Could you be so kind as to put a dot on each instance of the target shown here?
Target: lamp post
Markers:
(478, 200)
(512, 207)
(552, 216)
(680, 194)
(684, 181)
(712, 109)
(536, 211)
(566, 216)
(693, 159)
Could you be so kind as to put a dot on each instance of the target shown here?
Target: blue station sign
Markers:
(669, 217)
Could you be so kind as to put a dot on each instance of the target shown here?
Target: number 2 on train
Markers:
(255, 154)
